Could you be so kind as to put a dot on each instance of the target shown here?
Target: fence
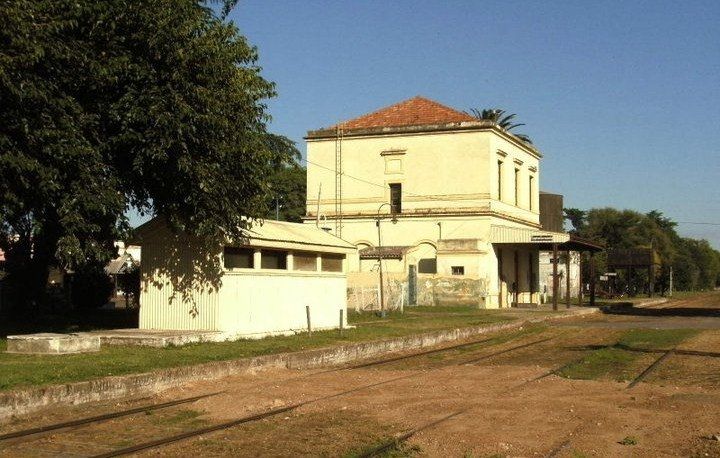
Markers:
(431, 291)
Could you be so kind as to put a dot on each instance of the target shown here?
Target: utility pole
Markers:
(379, 248)
(671, 283)
(382, 290)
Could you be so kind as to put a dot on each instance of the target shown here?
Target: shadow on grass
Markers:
(68, 321)
(626, 308)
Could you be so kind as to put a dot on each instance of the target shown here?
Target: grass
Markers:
(628, 440)
(617, 362)
(17, 371)
(184, 417)
(398, 450)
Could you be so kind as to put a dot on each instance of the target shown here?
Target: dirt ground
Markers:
(506, 400)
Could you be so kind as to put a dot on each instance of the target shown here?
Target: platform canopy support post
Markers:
(556, 283)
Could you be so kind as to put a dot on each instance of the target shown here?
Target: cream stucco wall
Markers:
(445, 172)
(450, 184)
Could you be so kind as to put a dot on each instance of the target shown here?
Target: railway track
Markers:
(397, 440)
(100, 418)
(29, 434)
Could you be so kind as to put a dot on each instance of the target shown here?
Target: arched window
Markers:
(426, 257)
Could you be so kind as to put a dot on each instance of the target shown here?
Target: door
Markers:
(412, 285)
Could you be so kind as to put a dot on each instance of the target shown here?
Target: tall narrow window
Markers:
(499, 180)
(395, 198)
(517, 186)
(530, 193)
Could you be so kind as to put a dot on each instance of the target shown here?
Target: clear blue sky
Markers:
(622, 97)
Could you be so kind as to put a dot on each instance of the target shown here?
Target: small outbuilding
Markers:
(279, 276)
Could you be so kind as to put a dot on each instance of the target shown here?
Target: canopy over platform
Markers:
(542, 240)
(554, 242)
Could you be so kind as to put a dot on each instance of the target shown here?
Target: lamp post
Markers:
(380, 271)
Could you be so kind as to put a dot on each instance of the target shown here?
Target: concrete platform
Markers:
(155, 338)
(53, 344)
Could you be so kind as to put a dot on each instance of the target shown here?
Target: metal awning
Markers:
(507, 234)
(542, 240)
(386, 252)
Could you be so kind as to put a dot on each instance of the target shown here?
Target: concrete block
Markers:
(52, 344)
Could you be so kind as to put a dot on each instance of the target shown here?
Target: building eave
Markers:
(478, 126)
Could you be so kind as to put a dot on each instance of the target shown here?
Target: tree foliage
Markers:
(288, 191)
(695, 264)
(157, 105)
(502, 119)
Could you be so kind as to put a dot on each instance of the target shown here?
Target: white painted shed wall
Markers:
(262, 303)
(160, 306)
(250, 302)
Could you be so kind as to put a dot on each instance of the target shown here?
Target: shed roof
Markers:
(297, 233)
(273, 234)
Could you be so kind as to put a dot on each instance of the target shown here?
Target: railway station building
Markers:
(447, 206)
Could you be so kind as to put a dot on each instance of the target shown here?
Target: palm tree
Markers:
(499, 117)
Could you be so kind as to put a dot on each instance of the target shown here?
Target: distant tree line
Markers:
(695, 264)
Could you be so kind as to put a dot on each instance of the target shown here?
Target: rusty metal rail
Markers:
(414, 355)
(100, 418)
(238, 421)
(508, 350)
(651, 368)
(198, 432)
(32, 432)
(395, 442)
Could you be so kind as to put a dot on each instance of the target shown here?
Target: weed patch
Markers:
(618, 361)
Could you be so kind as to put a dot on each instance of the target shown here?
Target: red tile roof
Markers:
(417, 111)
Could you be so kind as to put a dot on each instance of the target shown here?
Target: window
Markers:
(427, 266)
(458, 270)
(238, 258)
(499, 180)
(517, 186)
(272, 259)
(305, 261)
(332, 262)
(395, 198)
(530, 193)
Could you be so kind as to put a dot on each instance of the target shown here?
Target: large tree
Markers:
(105, 106)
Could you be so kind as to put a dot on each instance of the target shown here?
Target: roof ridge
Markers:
(417, 110)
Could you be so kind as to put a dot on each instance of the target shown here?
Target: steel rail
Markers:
(395, 442)
(651, 368)
(114, 415)
(229, 424)
(101, 418)
(272, 412)
(507, 350)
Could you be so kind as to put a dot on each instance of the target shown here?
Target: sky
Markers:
(621, 97)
